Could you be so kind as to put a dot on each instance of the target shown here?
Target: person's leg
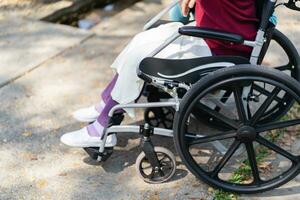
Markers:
(125, 64)
(91, 135)
(96, 129)
(91, 113)
(128, 86)
(106, 94)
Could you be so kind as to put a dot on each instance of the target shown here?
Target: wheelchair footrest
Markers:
(94, 153)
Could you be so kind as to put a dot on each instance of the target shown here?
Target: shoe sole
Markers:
(81, 145)
(85, 120)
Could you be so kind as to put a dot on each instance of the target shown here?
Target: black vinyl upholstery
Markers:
(210, 34)
(186, 70)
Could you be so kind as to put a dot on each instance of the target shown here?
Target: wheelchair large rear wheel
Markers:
(271, 157)
(290, 65)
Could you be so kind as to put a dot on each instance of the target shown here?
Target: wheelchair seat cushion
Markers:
(187, 70)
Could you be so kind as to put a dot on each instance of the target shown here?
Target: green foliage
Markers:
(222, 195)
(242, 174)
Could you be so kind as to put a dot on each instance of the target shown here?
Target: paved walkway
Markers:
(55, 78)
(32, 9)
(26, 44)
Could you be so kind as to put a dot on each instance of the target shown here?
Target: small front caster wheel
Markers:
(164, 173)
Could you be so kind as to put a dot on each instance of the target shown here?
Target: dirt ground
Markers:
(34, 9)
(36, 109)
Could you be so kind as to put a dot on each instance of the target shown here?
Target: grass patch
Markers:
(221, 195)
(244, 173)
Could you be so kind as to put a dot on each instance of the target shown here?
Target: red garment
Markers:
(235, 16)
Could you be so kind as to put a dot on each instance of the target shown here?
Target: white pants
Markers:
(128, 86)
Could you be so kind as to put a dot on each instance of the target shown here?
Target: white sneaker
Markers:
(89, 114)
(81, 138)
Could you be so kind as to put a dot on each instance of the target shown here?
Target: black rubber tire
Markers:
(163, 150)
(195, 93)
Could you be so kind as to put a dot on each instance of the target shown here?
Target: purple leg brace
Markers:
(96, 129)
(106, 94)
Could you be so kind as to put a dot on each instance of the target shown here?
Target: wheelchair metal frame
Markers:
(257, 45)
(245, 130)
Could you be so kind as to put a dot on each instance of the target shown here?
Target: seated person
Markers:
(236, 16)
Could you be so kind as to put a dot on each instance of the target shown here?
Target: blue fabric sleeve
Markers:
(274, 19)
(176, 15)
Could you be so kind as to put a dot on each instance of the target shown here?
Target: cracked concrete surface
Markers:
(36, 110)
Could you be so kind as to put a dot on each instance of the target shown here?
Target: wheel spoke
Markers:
(249, 111)
(226, 96)
(277, 125)
(211, 138)
(164, 157)
(152, 175)
(166, 167)
(225, 158)
(277, 149)
(239, 104)
(218, 115)
(252, 161)
(219, 104)
(259, 113)
(149, 167)
(265, 92)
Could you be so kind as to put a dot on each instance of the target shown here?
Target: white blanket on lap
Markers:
(128, 85)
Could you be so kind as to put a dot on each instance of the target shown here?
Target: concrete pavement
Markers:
(36, 110)
(26, 44)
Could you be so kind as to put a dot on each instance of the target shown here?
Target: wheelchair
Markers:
(223, 112)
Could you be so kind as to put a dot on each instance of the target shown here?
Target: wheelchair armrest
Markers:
(161, 22)
(210, 34)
